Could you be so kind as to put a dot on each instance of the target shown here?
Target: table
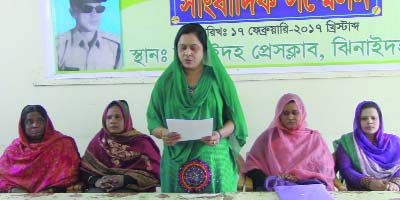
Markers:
(373, 195)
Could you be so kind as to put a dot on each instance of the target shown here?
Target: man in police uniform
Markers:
(85, 47)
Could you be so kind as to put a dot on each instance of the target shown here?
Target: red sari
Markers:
(54, 162)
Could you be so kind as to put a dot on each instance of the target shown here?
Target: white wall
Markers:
(76, 110)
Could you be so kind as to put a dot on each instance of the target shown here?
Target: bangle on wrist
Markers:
(160, 130)
(157, 132)
(366, 181)
(90, 178)
(219, 134)
(395, 180)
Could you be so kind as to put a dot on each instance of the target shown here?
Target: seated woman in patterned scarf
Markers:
(41, 159)
(120, 158)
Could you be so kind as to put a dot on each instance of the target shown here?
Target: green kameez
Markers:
(348, 144)
(214, 97)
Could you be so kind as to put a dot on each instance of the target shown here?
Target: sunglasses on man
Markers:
(89, 9)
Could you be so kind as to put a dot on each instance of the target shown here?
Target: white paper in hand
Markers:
(191, 129)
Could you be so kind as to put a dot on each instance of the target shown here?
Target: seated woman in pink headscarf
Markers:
(41, 159)
(289, 153)
(120, 158)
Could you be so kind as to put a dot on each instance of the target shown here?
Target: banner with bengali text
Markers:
(252, 36)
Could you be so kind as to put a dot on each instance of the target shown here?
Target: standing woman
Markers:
(120, 158)
(368, 158)
(196, 86)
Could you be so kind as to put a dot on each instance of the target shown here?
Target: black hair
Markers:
(116, 103)
(195, 28)
(371, 104)
(78, 3)
(32, 108)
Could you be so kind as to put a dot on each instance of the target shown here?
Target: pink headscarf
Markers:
(54, 162)
(300, 152)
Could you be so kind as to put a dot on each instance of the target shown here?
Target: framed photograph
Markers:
(84, 35)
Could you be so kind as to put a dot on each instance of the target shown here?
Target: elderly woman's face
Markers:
(369, 121)
(190, 51)
(114, 120)
(290, 116)
(34, 126)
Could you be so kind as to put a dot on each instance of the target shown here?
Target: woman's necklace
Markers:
(192, 79)
(191, 89)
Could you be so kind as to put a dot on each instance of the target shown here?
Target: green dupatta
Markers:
(170, 99)
(347, 142)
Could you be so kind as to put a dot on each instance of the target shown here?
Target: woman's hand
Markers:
(378, 185)
(110, 182)
(392, 186)
(17, 190)
(170, 139)
(211, 140)
(288, 177)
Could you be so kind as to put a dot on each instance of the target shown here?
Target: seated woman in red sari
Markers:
(368, 158)
(41, 159)
(120, 158)
(288, 152)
